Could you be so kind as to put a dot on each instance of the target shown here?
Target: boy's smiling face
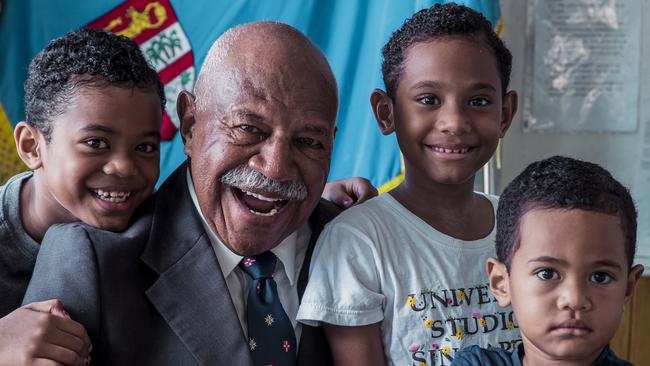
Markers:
(103, 157)
(568, 283)
(449, 110)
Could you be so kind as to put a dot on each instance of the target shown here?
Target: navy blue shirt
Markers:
(477, 356)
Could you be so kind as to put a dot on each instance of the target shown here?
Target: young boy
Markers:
(399, 279)
(94, 107)
(93, 110)
(566, 237)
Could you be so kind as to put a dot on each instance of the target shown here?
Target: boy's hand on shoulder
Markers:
(349, 192)
(42, 333)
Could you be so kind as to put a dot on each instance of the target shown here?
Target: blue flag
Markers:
(176, 35)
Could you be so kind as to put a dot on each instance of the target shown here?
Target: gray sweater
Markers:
(17, 249)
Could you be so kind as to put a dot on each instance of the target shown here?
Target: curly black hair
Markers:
(439, 21)
(562, 183)
(88, 58)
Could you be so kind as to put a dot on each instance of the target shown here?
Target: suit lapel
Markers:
(191, 294)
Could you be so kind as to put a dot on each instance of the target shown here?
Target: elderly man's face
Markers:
(260, 147)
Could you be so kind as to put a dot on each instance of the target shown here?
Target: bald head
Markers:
(265, 107)
(242, 51)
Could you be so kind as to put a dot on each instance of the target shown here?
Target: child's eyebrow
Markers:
(154, 134)
(488, 86)
(438, 85)
(427, 84)
(105, 129)
(98, 128)
(608, 263)
(553, 260)
(547, 259)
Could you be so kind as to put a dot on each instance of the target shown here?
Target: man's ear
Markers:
(186, 109)
(382, 107)
(498, 280)
(29, 142)
(632, 278)
(508, 111)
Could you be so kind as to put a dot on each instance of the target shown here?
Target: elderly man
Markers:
(224, 247)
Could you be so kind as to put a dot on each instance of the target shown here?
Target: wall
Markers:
(631, 340)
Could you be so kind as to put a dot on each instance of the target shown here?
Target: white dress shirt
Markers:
(291, 255)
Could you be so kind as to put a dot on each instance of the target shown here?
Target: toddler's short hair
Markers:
(562, 183)
(438, 21)
(84, 57)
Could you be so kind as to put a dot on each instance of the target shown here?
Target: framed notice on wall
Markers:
(585, 66)
(586, 92)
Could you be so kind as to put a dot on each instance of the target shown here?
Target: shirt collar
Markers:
(228, 260)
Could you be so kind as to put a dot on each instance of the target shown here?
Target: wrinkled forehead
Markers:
(289, 77)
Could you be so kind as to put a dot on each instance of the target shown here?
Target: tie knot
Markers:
(259, 266)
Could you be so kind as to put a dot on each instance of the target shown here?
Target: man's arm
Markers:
(359, 345)
(349, 192)
(42, 333)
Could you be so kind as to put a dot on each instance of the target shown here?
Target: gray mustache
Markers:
(249, 179)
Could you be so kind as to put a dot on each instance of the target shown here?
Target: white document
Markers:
(586, 66)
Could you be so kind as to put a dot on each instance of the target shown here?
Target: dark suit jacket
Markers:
(169, 307)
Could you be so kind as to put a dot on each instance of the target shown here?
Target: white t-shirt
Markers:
(378, 262)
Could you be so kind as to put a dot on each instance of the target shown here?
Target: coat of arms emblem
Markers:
(154, 27)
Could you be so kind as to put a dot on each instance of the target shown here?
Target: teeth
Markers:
(262, 198)
(112, 196)
(450, 151)
(270, 213)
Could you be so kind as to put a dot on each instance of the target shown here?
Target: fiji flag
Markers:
(175, 36)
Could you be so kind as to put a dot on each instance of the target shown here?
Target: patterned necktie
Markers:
(270, 333)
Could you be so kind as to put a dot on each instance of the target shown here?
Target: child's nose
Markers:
(452, 119)
(120, 165)
(574, 295)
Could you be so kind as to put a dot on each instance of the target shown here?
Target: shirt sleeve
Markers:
(344, 284)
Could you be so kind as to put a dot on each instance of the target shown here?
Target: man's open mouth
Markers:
(258, 203)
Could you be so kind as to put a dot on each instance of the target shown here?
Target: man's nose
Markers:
(274, 160)
(452, 118)
(121, 165)
(574, 295)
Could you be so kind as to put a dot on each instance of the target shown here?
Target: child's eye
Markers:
(96, 143)
(147, 148)
(547, 274)
(479, 102)
(600, 278)
(429, 100)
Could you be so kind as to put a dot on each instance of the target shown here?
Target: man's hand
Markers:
(349, 192)
(42, 333)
